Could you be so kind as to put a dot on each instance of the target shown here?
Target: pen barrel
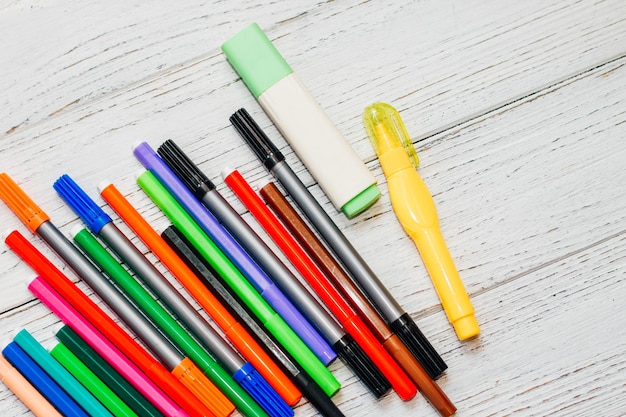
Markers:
(23, 390)
(311, 364)
(415, 208)
(427, 386)
(400, 382)
(274, 296)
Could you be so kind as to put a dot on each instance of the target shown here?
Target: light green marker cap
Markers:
(256, 59)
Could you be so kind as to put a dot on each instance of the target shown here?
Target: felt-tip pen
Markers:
(398, 320)
(91, 381)
(231, 275)
(39, 223)
(41, 381)
(237, 255)
(353, 324)
(347, 349)
(59, 374)
(232, 329)
(331, 268)
(246, 376)
(310, 389)
(105, 324)
(25, 391)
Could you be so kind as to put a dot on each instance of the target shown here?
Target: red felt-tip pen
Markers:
(321, 285)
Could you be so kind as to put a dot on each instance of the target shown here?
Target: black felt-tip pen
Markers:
(347, 349)
(309, 388)
(399, 320)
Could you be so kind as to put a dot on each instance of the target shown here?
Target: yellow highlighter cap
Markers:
(386, 130)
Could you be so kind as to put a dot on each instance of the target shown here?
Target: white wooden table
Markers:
(517, 110)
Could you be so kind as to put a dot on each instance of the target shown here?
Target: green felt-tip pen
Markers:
(167, 324)
(238, 283)
(91, 382)
(137, 402)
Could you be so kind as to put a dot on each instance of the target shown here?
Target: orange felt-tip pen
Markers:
(248, 347)
(23, 390)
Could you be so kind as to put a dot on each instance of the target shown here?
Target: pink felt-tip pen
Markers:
(104, 347)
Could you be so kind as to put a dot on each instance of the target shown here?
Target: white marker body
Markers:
(317, 142)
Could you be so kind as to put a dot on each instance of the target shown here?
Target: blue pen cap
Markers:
(262, 392)
(94, 217)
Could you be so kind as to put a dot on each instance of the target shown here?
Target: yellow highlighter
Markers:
(416, 211)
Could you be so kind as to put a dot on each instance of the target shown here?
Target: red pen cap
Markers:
(21, 204)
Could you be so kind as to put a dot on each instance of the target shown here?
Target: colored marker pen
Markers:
(415, 208)
(105, 324)
(41, 381)
(127, 393)
(48, 296)
(345, 346)
(398, 320)
(59, 374)
(91, 382)
(167, 324)
(232, 329)
(311, 390)
(239, 257)
(322, 286)
(237, 282)
(39, 222)
(25, 391)
(317, 141)
(331, 268)
(244, 373)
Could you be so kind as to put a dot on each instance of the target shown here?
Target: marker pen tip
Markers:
(76, 230)
(226, 171)
(104, 184)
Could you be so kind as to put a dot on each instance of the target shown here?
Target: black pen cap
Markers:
(262, 146)
(185, 169)
(413, 338)
(351, 354)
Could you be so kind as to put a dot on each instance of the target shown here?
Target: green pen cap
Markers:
(256, 59)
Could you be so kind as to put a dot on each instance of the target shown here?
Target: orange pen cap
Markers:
(193, 378)
(21, 204)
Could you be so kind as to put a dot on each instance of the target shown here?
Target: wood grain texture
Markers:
(518, 113)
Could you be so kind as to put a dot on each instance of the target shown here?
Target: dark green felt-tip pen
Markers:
(137, 402)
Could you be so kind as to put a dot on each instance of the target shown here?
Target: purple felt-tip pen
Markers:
(238, 256)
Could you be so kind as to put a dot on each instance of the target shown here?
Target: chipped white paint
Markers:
(518, 111)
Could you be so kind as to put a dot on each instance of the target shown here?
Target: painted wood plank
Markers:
(444, 61)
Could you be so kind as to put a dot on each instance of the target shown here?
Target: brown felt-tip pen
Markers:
(331, 268)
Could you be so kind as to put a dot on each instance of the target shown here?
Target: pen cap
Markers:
(93, 216)
(21, 204)
(259, 389)
(386, 130)
(255, 59)
(185, 169)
